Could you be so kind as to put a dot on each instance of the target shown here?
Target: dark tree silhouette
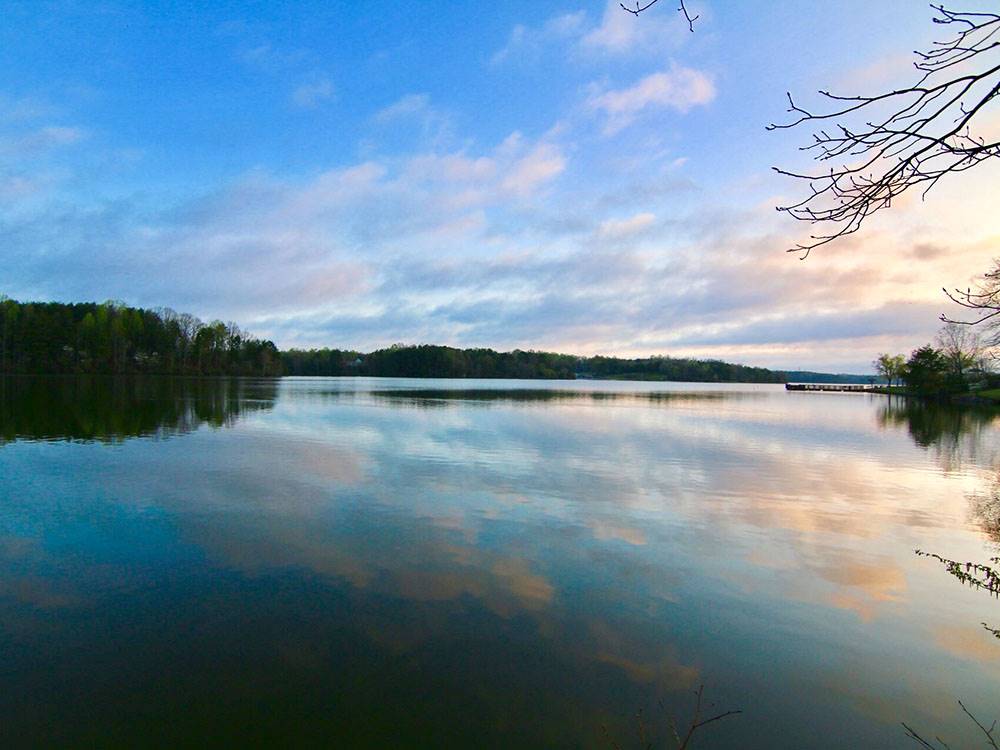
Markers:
(884, 145)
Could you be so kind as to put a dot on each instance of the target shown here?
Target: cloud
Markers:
(679, 89)
(40, 139)
(541, 165)
(453, 248)
(621, 33)
(928, 251)
(887, 72)
(407, 106)
(548, 241)
(527, 43)
(24, 109)
(264, 243)
(270, 59)
(435, 126)
(18, 186)
(309, 95)
(616, 35)
(618, 228)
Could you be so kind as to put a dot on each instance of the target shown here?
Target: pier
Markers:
(835, 387)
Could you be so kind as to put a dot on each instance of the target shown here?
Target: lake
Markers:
(445, 563)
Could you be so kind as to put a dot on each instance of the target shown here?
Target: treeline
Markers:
(113, 338)
(426, 361)
(448, 362)
(670, 368)
(58, 338)
(957, 362)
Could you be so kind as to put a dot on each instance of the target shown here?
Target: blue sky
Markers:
(519, 174)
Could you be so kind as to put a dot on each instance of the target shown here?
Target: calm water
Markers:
(445, 563)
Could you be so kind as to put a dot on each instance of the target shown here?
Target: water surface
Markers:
(418, 563)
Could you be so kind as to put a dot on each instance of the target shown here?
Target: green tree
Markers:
(114, 338)
(926, 370)
(890, 367)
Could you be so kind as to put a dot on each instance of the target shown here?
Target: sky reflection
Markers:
(541, 564)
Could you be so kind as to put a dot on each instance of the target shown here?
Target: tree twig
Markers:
(908, 138)
(639, 8)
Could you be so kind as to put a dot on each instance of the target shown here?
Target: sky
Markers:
(537, 175)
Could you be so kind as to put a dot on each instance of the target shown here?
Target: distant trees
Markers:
(677, 369)
(111, 337)
(431, 361)
(891, 367)
(449, 362)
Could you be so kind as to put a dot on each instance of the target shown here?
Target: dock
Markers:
(835, 387)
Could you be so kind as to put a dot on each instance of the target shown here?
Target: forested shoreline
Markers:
(113, 338)
(449, 362)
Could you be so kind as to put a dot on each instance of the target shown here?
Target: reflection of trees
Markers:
(954, 432)
(681, 742)
(984, 508)
(436, 397)
(109, 409)
(988, 732)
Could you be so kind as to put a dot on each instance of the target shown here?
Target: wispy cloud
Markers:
(435, 126)
(407, 106)
(527, 43)
(678, 88)
(616, 34)
(454, 248)
(24, 108)
(271, 59)
(41, 139)
(311, 94)
(618, 228)
(543, 163)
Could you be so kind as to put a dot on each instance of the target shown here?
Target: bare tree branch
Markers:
(942, 745)
(697, 722)
(907, 138)
(687, 16)
(681, 743)
(983, 300)
(639, 8)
